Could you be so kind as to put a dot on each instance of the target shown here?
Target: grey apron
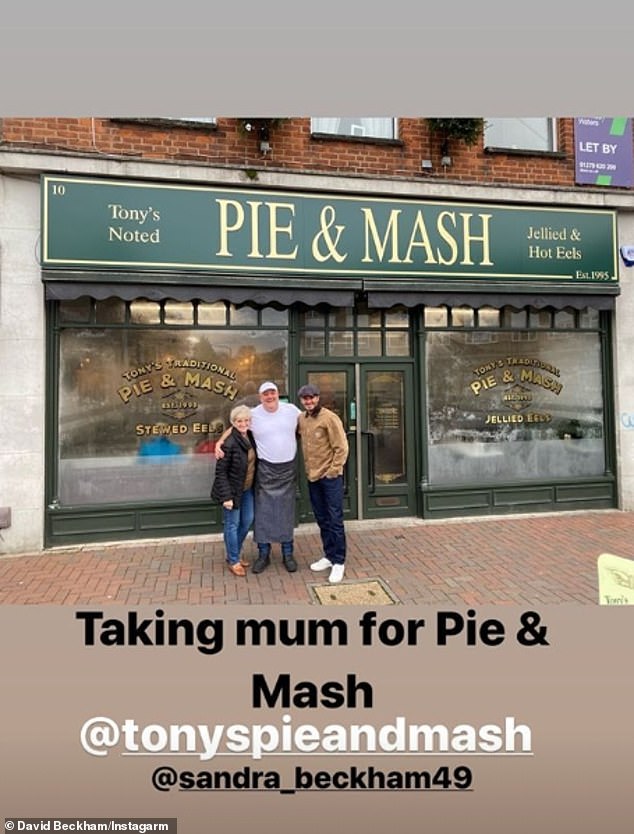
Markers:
(274, 502)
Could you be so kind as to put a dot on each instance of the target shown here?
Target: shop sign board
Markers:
(125, 225)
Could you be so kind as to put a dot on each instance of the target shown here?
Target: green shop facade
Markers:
(466, 347)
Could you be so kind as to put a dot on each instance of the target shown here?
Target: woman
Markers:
(233, 486)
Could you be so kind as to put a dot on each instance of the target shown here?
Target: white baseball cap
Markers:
(267, 386)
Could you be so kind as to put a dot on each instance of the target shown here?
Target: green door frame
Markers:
(380, 433)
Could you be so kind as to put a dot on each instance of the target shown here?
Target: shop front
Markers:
(466, 347)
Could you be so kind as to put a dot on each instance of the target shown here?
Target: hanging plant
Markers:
(466, 130)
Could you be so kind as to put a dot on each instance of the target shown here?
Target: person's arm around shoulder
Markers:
(218, 450)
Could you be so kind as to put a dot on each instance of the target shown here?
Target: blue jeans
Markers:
(236, 524)
(326, 498)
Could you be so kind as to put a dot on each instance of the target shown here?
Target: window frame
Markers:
(551, 130)
(318, 131)
(194, 122)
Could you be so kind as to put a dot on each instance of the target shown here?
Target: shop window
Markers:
(341, 343)
(480, 337)
(589, 318)
(355, 331)
(341, 317)
(369, 343)
(274, 318)
(178, 312)
(110, 311)
(523, 336)
(396, 317)
(511, 318)
(310, 319)
(212, 314)
(397, 344)
(525, 405)
(368, 318)
(312, 344)
(436, 316)
(565, 318)
(514, 318)
(462, 317)
(158, 393)
(533, 134)
(244, 316)
(488, 317)
(145, 312)
(78, 310)
(538, 319)
(361, 127)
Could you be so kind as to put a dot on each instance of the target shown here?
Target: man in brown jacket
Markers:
(325, 451)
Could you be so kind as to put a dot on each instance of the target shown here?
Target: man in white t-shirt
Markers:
(274, 426)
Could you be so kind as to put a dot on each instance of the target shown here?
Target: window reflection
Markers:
(384, 406)
(514, 318)
(110, 311)
(488, 317)
(462, 317)
(312, 344)
(436, 317)
(244, 316)
(369, 343)
(397, 317)
(145, 312)
(212, 314)
(589, 318)
(274, 318)
(178, 312)
(513, 410)
(565, 318)
(313, 319)
(368, 318)
(78, 310)
(156, 400)
(397, 344)
(540, 318)
(341, 343)
(378, 332)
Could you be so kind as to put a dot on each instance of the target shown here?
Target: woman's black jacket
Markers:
(231, 470)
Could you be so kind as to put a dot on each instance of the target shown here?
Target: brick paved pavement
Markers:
(519, 560)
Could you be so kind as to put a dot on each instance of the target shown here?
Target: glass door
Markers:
(375, 404)
(387, 449)
(337, 386)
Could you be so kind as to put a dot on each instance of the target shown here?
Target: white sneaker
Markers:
(322, 564)
(336, 574)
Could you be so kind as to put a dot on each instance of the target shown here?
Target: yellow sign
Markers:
(616, 580)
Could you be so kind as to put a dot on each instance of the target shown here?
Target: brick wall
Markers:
(293, 148)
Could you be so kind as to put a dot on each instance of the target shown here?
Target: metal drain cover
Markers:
(368, 592)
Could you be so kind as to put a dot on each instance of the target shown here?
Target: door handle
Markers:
(371, 459)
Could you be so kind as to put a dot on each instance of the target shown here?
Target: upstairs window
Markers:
(169, 121)
(520, 134)
(209, 121)
(363, 127)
